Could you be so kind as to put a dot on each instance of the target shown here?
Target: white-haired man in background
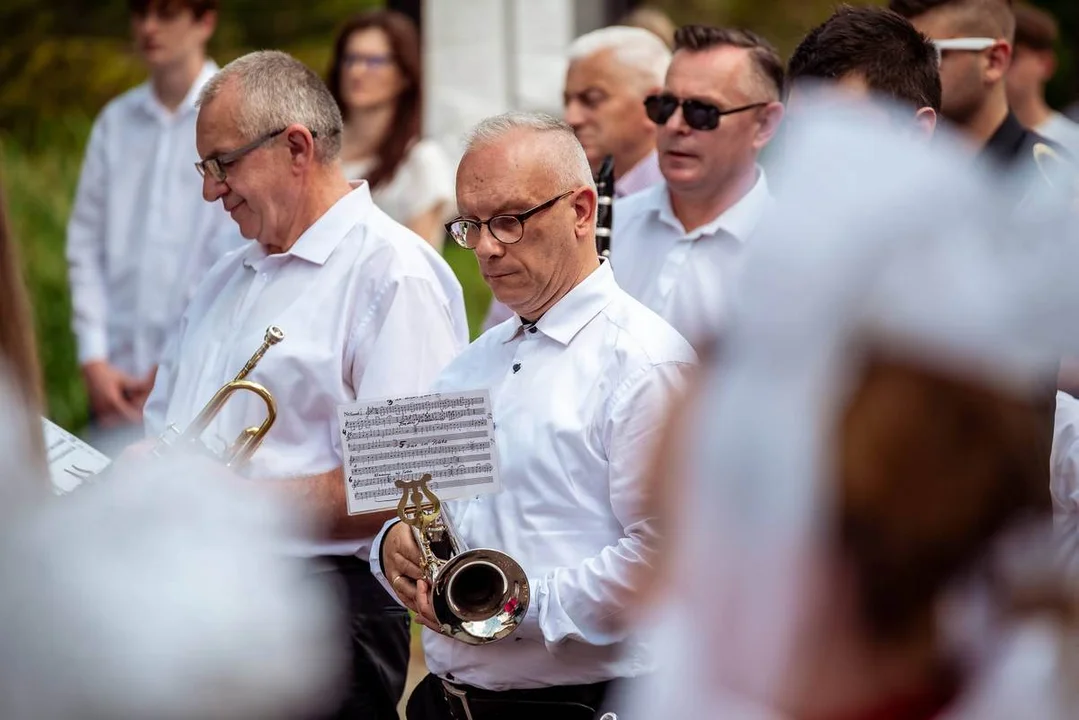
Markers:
(611, 71)
(368, 310)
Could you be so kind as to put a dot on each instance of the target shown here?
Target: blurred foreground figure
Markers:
(160, 592)
(856, 527)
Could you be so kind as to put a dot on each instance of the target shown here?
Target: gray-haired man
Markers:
(579, 386)
(368, 310)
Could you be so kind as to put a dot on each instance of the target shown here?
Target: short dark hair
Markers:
(1035, 28)
(877, 45)
(198, 8)
(983, 16)
(698, 38)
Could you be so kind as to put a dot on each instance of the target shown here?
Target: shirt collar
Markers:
(576, 309)
(318, 242)
(154, 107)
(642, 175)
(739, 220)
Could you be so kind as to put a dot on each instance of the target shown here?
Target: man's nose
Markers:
(212, 188)
(488, 245)
(677, 122)
(573, 114)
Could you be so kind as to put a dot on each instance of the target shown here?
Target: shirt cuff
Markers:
(92, 347)
(375, 559)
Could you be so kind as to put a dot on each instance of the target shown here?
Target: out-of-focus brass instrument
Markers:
(479, 596)
(605, 206)
(249, 439)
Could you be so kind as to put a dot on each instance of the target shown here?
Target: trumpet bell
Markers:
(480, 596)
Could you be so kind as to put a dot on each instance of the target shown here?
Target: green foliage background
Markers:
(62, 60)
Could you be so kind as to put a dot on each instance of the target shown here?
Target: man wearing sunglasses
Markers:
(677, 246)
(139, 238)
(367, 308)
(974, 42)
(579, 379)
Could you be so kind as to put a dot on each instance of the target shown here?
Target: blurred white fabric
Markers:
(879, 239)
(158, 592)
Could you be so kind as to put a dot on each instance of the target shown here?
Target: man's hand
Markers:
(138, 392)
(108, 388)
(401, 565)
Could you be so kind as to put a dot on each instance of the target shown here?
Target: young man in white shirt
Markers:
(1034, 62)
(139, 237)
(578, 387)
(611, 71)
(677, 246)
(367, 309)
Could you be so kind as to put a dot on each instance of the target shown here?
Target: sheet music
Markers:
(449, 435)
(70, 459)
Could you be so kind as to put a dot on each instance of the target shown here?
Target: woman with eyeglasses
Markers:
(376, 76)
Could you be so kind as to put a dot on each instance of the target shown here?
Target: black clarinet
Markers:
(605, 206)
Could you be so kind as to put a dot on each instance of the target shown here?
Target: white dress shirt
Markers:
(368, 310)
(140, 236)
(577, 401)
(688, 278)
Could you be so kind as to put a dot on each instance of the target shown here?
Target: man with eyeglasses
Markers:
(974, 43)
(139, 238)
(578, 387)
(610, 72)
(677, 246)
(368, 310)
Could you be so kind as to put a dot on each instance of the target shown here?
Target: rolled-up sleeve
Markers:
(587, 602)
(85, 251)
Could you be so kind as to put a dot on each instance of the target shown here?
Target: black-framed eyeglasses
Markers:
(698, 115)
(506, 228)
(215, 166)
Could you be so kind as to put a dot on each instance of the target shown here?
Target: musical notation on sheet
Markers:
(71, 461)
(449, 435)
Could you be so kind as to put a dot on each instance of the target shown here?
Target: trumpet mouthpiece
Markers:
(274, 335)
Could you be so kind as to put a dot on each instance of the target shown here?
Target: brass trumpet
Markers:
(479, 596)
(248, 441)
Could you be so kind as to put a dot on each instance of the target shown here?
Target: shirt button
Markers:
(516, 367)
(532, 329)
(449, 676)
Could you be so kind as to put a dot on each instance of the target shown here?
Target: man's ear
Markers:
(999, 60)
(301, 145)
(584, 205)
(925, 122)
(770, 119)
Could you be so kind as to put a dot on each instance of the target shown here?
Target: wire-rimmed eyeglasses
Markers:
(506, 228)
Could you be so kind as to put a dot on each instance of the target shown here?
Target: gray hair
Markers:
(277, 90)
(638, 49)
(567, 156)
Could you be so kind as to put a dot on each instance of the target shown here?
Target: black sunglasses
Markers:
(698, 115)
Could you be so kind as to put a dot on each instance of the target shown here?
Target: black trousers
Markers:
(380, 645)
(431, 701)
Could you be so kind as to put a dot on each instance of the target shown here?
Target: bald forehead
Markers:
(518, 167)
